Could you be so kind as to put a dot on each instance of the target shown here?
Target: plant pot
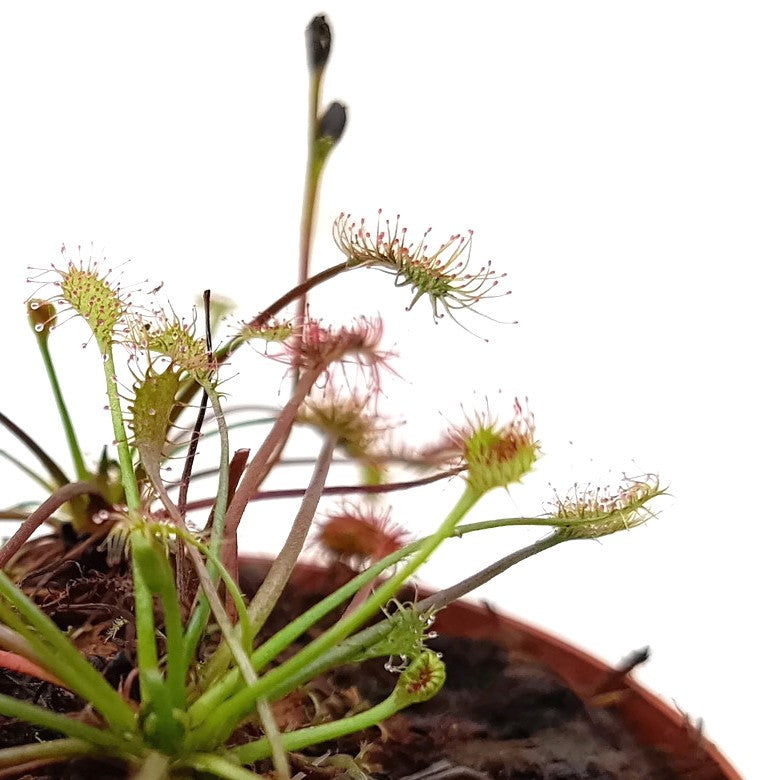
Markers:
(651, 721)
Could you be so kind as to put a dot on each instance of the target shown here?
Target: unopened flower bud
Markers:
(318, 43)
(333, 122)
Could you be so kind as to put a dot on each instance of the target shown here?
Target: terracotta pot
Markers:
(652, 721)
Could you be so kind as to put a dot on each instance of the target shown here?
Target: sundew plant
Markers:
(203, 678)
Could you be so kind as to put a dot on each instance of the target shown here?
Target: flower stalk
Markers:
(42, 317)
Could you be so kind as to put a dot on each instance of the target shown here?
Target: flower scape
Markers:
(196, 695)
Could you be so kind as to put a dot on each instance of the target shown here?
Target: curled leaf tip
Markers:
(42, 317)
(423, 678)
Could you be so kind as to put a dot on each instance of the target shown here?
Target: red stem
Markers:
(41, 514)
(299, 290)
(337, 490)
(259, 468)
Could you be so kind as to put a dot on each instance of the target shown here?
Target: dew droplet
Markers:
(39, 328)
(151, 412)
(35, 305)
(394, 666)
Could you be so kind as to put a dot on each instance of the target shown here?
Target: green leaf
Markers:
(154, 401)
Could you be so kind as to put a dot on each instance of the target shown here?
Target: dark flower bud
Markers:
(333, 122)
(318, 43)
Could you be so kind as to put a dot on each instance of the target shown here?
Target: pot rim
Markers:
(652, 720)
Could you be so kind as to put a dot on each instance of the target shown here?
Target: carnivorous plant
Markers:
(198, 697)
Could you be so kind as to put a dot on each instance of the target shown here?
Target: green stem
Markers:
(130, 486)
(391, 587)
(52, 750)
(154, 767)
(56, 652)
(315, 164)
(231, 712)
(280, 572)
(357, 645)
(11, 620)
(229, 583)
(220, 507)
(156, 572)
(352, 647)
(144, 610)
(143, 601)
(422, 679)
(314, 735)
(311, 184)
(505, 522)
(215, 694)
(199, 618)
(66, 420)
(31, 713)
(213, 764)
(314, 170)
(208, 592)
(274, 739)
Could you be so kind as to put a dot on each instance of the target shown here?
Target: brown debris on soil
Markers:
(500, 715)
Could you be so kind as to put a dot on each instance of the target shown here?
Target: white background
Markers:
(611, 157)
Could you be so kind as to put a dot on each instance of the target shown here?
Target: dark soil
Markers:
(499, 715)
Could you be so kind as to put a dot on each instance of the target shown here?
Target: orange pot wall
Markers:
(652, 720)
